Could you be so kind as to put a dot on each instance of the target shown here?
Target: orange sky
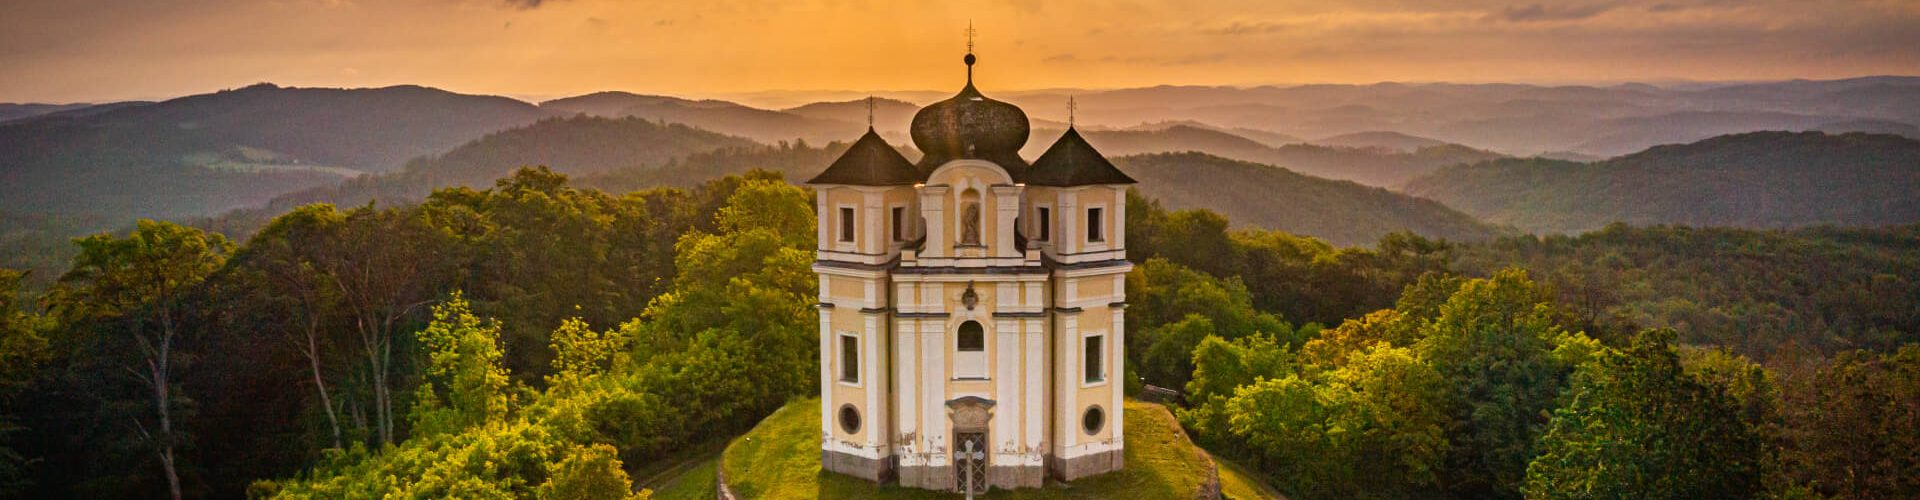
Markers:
(94, 50)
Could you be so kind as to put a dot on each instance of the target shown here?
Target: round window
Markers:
(1093, 420)
(849, 419)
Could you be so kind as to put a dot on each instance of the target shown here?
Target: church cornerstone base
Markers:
(878, 471)
(1069, 469)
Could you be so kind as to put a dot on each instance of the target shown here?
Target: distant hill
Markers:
(1373, 167)
(1390, 141)
(764, 125)
(1340, 212)
(1514, 119)
(15, 111)
(1754, 180)
(1871, 126)
(1266, 137)
(576, 146)
(888, 114)
(207, 153)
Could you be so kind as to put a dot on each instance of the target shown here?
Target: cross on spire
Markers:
(970, 34)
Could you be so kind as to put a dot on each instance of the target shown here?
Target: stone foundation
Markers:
(1002, 477)
(1069, 469)
(1016, 476)
(878, 471)
(928, 477)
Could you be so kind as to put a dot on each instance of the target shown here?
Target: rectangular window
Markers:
(846, 224)
(1096, 369)
(1046, 223)
(1095, 230)
(849, 358)
(899, 223)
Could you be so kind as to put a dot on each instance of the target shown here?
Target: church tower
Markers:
(972, 305)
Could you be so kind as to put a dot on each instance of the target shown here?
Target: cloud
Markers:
(526, 4)
(1541, 13)
(1245, 28)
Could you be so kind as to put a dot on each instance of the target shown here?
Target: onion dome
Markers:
(1070, 161)
(870, 161)
(971, 126)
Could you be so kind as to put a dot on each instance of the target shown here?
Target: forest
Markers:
(541, 339)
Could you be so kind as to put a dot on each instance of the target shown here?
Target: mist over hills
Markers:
(763, 125)
(1387, 140)
(1373, 166)
(12, 111)
(206, 153)
(1754, 180)
(576, 146)
(1341, 212)
(1515, 119)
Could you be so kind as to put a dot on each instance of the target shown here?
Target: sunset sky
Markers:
(98, 50)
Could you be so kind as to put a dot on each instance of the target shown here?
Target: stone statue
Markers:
(970, 224)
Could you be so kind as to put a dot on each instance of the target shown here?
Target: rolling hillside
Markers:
(207, 153)
(1755, 180)
(1391, 141)
(764, 125)
(1370, 166)
(576, 146)
(1340, 212)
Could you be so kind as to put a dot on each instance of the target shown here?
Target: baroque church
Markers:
(972, 305)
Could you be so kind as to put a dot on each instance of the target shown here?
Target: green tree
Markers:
(1171, 307)
(465, 384)
(752, 279)
(1373, 428)
(1220, 367)
(589, 473)
(282, 262)
(581, 353)
(1638, 426)
(1496, 340)
(140, 284)
(1853, 429)
(22, 352)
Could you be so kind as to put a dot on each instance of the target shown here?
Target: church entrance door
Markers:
(972, 461)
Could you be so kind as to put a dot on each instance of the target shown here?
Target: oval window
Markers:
(1093, 420)
(849, 419)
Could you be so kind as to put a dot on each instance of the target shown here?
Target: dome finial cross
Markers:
(969, 59)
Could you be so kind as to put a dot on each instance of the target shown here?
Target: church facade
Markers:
(972, 305)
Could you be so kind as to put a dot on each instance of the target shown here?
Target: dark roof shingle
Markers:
(1070, 161)
(870, 161)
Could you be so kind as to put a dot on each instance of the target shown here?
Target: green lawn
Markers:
(695, 483)
(780, 459)
(1239, 482)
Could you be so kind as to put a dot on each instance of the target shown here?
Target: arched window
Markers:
(973, 338)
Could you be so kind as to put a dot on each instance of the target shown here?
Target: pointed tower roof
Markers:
(1070, 161)
(870, 161)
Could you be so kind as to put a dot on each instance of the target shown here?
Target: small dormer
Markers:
(1077, 202)
(865, 203)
